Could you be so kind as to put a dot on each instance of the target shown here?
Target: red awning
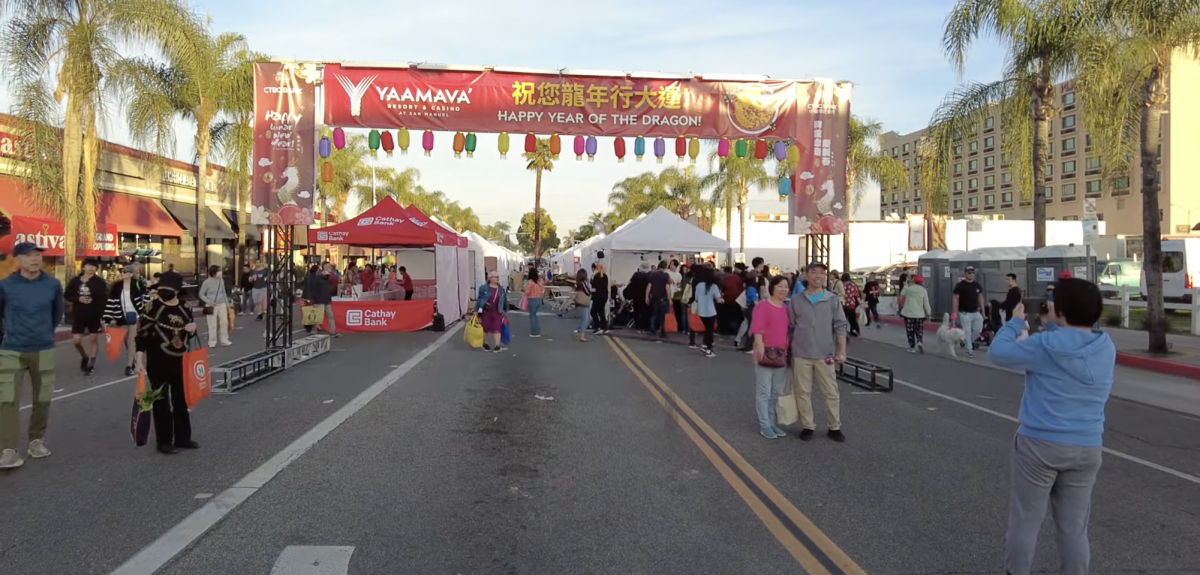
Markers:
(48, 235)
(131, 214)
(386, 225)
(445, 236)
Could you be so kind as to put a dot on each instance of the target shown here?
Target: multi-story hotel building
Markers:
(981, 183)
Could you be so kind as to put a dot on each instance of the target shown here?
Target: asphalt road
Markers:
(645, 461)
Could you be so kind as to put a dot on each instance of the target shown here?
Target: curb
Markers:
(1126, 359)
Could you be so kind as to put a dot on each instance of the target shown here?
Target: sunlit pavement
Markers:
(566, 457)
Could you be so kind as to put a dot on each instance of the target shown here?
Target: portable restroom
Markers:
(992, 266)
(939, 279)
(1046, 264)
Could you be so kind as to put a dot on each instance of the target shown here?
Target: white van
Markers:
(1181, 269)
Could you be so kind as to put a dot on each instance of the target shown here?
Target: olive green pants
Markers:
(13, 367)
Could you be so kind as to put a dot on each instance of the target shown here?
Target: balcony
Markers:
(1095, 172)
(1005, 186)
(1099, 194)
(972, 172)
(989, 188)
(1066, 176)
(989, 150)
(990, 169)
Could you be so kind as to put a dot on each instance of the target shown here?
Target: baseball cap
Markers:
(25, 248)
(969, 269)
(1065, 275)
(919, 280)
(815, 265)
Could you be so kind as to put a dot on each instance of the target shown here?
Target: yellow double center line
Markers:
(815, 552)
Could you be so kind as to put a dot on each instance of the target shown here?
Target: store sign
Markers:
(49, 236)
(186, 180)
(284, 133)
(383, 316)
(11, 147)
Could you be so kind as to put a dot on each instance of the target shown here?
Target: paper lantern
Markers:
(325, 147)
(760, 150)
(619, 149)
(503, 145)
(460, 143)
(387, 143)
(780, 151)
(639, 147)
(591, 148)
(326, 172)
(680, 147)
(427, 142)
(373, 141)
(579, 148)
(402, 141)
(471, 142)
(723, 148)
(793, 157)
(530, 143)
(339, 138)
(660, 149)
(694, 149)
(555, 146)
(785, 186)
(740, 148)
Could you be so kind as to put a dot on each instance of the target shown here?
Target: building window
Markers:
(1068, 98)
(1069, 167)
(989, 162)
(1050, 148)
(973, 165)
(973, 184)
(989, 123)
(1093, 189)
(989, 200)
(1087, 141)
(1068, 121)
(1068, 191)
(974, 147)
(958, 204)
(1121, 183)
(906, 164)
(1050, 170)
(905, 148)
(957, 151)
(972, 202)
(1006, 178)
(1093, 164)
(894, 154)
(1068, 144)
(903, 211)
(989, 142)
(1070, 218)
(1006, 198)
(989, 181)
(1048, 191)
(958, 186)
(917, 209)
(958, 168)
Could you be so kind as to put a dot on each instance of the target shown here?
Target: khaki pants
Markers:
(13, 367)
(804, 371)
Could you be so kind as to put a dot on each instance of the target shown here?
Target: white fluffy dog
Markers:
(950, 337)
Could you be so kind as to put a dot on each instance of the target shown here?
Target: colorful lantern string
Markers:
(503, 142)
(639, 147)
(579, 148)
(680, 148)
(760, 150)
(427, 142)
(402, 141)
(530, 143)
(325, 147)
(387, 143)
(591, 148)
(785, 186)
(460, 143)
(326, 172)
(660, 149)
(780, 151)
(741, 148)
(373, 141)
(471, 142)
(619, 149)
(694, 149)
(723, 148)
(793, 157)
(555, 146)
(339, 138)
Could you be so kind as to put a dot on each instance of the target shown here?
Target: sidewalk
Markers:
(1146, 386)
(1184, 360)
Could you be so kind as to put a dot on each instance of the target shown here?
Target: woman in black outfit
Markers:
(127, 300)
(600, 299)
(162, 339)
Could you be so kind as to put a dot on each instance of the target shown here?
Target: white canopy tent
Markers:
(585, 252)
(658, 235)
(506, 259)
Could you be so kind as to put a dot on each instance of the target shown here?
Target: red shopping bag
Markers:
(694, 323)
(195, 375)
(669, 324)
(114, 338)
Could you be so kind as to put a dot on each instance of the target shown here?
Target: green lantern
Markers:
(373, 141)
(741, 148)
(471, 141)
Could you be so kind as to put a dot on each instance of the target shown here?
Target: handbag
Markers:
(582, 299)
(786, 412)
(196, 385)
(473, 333)
(114, 338)
(505, 335)
(208, 310)
(140, 421)
(774, 357)
(524, 305)
(313, 314)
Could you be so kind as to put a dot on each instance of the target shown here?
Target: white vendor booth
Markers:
(659, 235)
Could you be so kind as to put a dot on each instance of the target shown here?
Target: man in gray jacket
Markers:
(818, 342)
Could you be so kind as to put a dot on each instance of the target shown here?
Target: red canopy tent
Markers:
(385, 226)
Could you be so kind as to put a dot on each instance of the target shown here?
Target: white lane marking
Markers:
(95, 387)
(1005, 416)
(178, 538)
(313, 560)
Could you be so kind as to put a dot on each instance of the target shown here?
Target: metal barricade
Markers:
(866, 375)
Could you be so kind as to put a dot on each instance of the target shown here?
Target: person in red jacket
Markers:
(406, 281)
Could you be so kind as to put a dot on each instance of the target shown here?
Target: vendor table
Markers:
(380, 315)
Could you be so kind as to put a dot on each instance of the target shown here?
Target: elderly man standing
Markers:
(32, 304)
(818, 342)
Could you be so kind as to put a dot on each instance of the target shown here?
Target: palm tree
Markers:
(1124, 71)
(204, 77)
(539, 161)
(685, 191)
(401, 185)
(730, 188)
(1040, 38)
(351, 172)
(498, 233)
(638, 195)
(66, 50)
(460, 218)
(866, 161)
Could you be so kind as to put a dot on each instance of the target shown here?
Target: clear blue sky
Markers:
(890, 50)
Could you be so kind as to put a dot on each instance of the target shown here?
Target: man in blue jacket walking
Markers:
(1057, 452)
(32, 305)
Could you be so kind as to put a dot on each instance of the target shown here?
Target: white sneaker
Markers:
(10, 460)
(37, 449)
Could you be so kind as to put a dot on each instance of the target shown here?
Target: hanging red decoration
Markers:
(760, 150)
(460, 142)
(387, 143)
(619, 149)
(680, 147)
(530, 143)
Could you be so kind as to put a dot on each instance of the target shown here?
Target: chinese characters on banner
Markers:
(284, 130)
(819, 186)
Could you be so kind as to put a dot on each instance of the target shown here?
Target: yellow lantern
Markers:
(402, 140)
(694, 149)
(793, 157)
(503, 145)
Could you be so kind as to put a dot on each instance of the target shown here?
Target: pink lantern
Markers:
(580, 147)
(723, 148)
(427, 142)
(339, 138)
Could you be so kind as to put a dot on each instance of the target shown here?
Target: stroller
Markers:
(992, 321)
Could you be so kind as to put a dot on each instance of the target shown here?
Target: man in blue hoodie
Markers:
(32, 305)
(1057, 452)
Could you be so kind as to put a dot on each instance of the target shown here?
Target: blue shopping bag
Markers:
(504, 334)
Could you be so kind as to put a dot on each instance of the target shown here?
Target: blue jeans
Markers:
(769, 385)
(585, 314)
(535, 325)
(972, 324)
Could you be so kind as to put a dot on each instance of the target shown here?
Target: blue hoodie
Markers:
(1068, 376)
(32, 309)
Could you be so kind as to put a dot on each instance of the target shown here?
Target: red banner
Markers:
(395, 316)
(284, 131)
(819, 183)
(49, 235)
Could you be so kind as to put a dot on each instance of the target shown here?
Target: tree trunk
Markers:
(1154, 104)
(1042, 100)
(729, 226)
(537, 219)
(202, 146)
(88, 193)
(72, 157)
